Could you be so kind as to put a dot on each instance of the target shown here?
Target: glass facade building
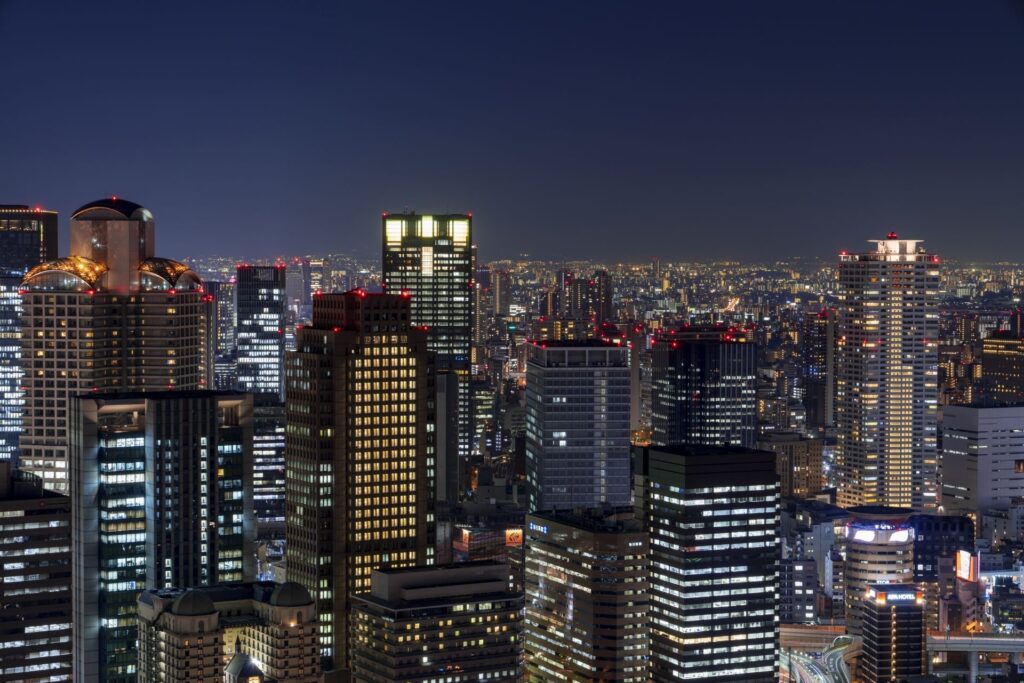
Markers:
(430, 258)
(577, 425)
(28, 237)
(11, 396)
(713, 518)
(162, 493)
(260, 332)
(704, 388)
(35, 590)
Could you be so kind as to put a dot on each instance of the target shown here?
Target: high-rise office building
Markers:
(798, 462)
(1002, 366)
(430, 258)
(818, 350)
(587, 598)
(360, 453)
(110, 317)
(35, 590)
(162, 493)
(431, 623)
(704, 388)
(894, 634)
(887, 376)
(28, 237)
(213, 633)
(268, 428)
(222, 334)
(11, 395)
(260, 297)
(713, 517)
(577, 425)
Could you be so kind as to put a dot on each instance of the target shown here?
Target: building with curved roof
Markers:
(256, 633)
(110, 316)
(112, 207)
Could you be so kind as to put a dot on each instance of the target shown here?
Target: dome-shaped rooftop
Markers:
(70, 272)
(290, 594)
(171, 273)
(193, 603)
(112, 208)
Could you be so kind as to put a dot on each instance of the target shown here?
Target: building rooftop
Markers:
(127, 210)
(609, 520)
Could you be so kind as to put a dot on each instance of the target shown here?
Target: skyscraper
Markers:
(886, 376)
(110, 317)
(260, 297)
(11, 399)
(223, 334)
(360, 453)
(430, 257)
(713, 518)
(818, 344)
(162, 496)
(27, 237)
(587, 598)
(577, 425)
(704, 388)
(35, 590)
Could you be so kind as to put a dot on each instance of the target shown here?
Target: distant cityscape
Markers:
(425, 467)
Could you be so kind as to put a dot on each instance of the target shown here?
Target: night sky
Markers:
(612, 130)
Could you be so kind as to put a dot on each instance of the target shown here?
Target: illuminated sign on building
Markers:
(513, 537)
(966, 566)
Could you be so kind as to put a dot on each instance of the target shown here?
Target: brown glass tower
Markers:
(360, 456)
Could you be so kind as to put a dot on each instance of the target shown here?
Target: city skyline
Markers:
(461, 342)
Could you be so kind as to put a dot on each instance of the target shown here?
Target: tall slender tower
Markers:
(360, 453)
(27, 238)
(260, 297)
(818, 347)
(886, 376)
(431, 258)
(110, 317)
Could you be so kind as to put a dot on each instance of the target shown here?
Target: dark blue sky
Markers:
(591, 129)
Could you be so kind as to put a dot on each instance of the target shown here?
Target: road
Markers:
(807, 670)
(837, 671)
(829, 668)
